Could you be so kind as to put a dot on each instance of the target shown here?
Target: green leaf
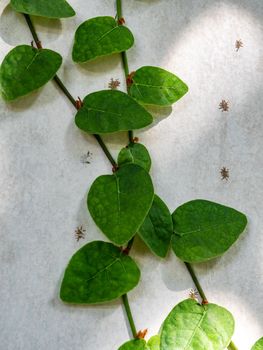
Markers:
(140, 344)
(205, 230)
(97, 273)
(135, 153)
(100, 36)
(136, 344)
(110, 111)
(44, 8)
(157, 229)
(119, 203)
(191, 326)
(26, 69)
(154, 343)
(258, 345)
(156, 86)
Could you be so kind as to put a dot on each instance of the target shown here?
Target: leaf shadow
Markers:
(50, 29)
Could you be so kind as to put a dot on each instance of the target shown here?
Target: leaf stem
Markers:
(66, 92)
(129, 315)
(232, 346)
(196, 282)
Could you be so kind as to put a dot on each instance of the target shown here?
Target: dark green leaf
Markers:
(97, 273)
(136, 344)
(205, 230)
(157, 229)
(110, 111)
(156, 86)
(26, 69)
(135, 153)
(258, 345)
(44, 8)
(120, 202)
(191, 326)
(100, 36)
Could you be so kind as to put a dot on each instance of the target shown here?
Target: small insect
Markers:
(85, 158)
(224, 106)
(79, 103)
(114, 84)
(121, 21)
(193, 294)
(239, 44)
(79, 233)
(136, 139)
(129, 80)
(142, 334)
(224, 173)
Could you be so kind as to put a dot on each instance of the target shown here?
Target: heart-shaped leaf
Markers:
(120, 202)
(44, 8)
(140, 344)
(110, 111)
(157, 229)
(205, 230)
(135, 153)
(97, 273)
(191, 326)
(135, 344)
(156, 86)
(26, 69)
(258, 345)
(100, 36)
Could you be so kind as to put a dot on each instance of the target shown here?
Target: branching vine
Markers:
(124, 204)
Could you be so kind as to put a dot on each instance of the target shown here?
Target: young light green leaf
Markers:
(97, 273)
(191, 326)
(119, 203)
(140, 344)
(44, 8)
(135, 153)
(205, 230)
(154, 343)
(26, 69)
(258, 345)
(100, 36)
(156, 86)
(135, 344)
(110, 111)
(157, 229)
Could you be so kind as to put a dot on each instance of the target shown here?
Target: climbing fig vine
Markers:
(124, 204)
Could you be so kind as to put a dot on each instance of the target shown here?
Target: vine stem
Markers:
(201, 292)
(66, 91)
(232, 346)
(129, 314)
(124, 60)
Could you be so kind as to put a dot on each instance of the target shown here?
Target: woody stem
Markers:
(66, 92)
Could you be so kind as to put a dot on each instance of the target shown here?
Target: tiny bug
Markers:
(224, 106)
(79, 233)
(224, 173)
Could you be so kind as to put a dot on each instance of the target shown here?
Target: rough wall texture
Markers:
(43, 183)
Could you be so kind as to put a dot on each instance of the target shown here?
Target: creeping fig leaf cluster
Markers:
(124, 204)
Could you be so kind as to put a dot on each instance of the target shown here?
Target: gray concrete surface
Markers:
(43, 183)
